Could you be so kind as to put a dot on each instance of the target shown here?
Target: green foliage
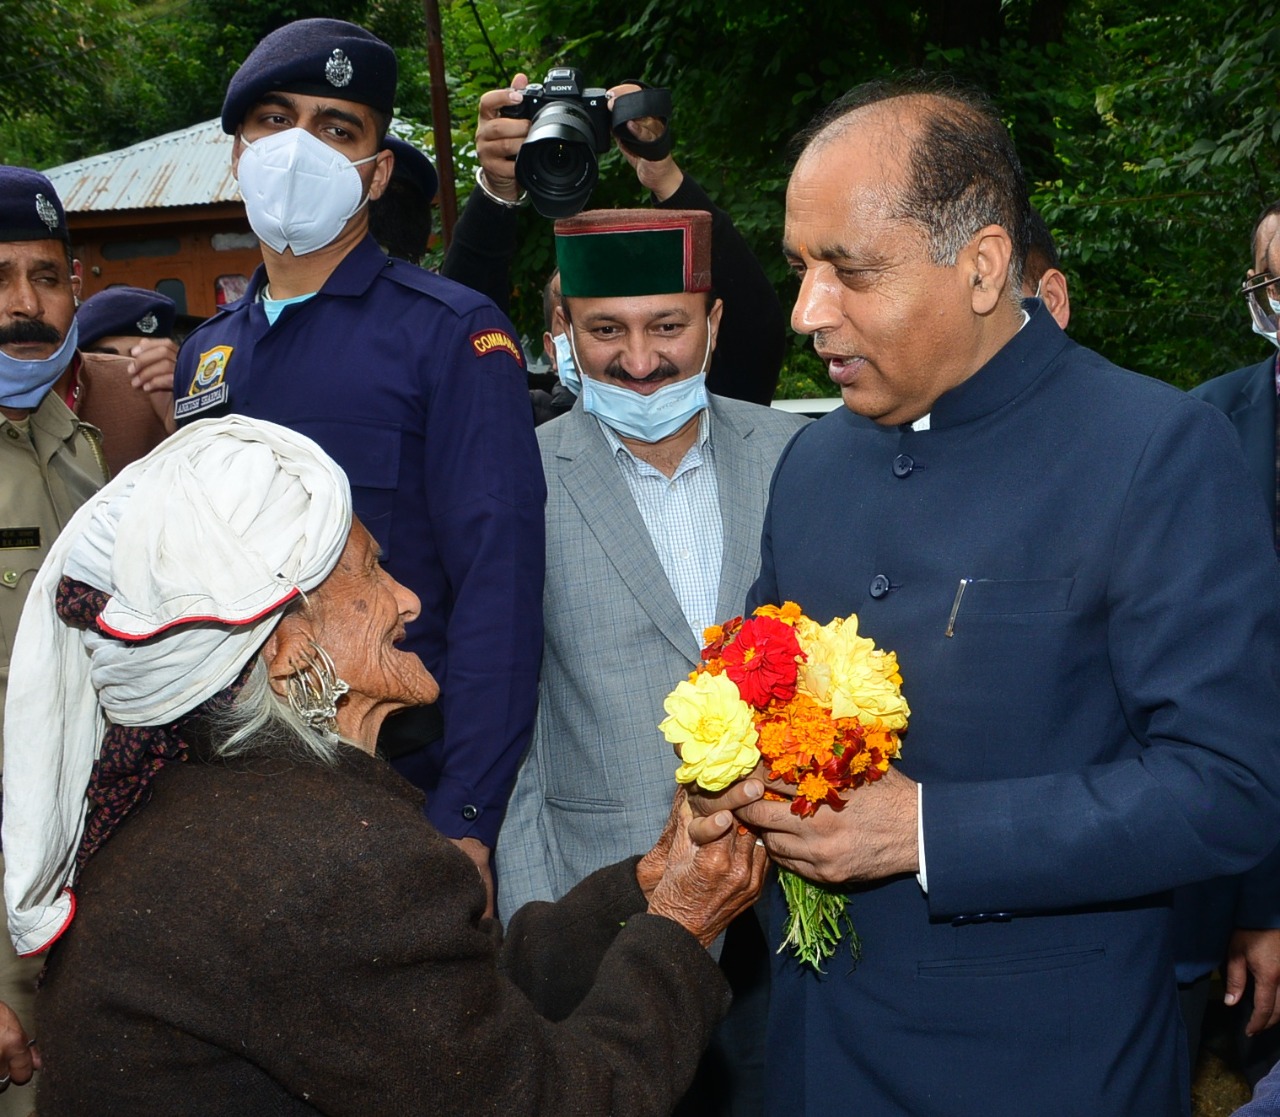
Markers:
(1150, 137)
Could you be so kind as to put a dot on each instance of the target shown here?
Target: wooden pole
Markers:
(441, 126)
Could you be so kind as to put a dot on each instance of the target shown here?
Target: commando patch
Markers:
(496, 341)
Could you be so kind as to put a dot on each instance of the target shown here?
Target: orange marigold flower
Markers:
(785, 766)
(788, 612)
(718, 635)
(813, 787)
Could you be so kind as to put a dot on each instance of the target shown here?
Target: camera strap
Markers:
(648, 101)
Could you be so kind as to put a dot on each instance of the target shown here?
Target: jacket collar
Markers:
(353, 276)
(1024, 358)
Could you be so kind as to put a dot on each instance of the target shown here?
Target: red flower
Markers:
(762, 661)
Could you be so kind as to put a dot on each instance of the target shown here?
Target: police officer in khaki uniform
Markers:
(51, 460)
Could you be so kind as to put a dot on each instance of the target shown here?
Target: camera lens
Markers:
(556, 164)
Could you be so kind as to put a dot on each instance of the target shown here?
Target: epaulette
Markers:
(448, 293)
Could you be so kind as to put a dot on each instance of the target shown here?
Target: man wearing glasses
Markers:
(1248, 395)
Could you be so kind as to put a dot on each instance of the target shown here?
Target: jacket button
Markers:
(903, 464)
(10, 578)
(879, 586)
(470, 813)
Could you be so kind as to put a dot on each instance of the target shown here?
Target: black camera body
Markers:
(557, 163)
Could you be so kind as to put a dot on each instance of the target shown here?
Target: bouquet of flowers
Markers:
(821, 705)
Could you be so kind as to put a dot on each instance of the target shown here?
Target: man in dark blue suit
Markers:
(1248, 395)
(1244, 907)
(1091, 662)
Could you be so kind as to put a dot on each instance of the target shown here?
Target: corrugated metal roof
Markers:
(191, 167)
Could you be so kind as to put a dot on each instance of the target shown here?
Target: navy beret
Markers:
(125, 312)
(318, 57)
(30, 208)
(412, 165)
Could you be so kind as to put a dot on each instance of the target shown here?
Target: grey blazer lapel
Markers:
(596, 486)
(741, 478)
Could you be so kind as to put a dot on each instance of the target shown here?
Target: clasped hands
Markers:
(873, 837)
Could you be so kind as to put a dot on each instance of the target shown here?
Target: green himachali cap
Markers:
(616, 253)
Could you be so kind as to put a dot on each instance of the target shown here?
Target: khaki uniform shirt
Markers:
(45, 475)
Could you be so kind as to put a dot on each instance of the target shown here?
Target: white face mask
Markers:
(298, 191)
(1267, 326)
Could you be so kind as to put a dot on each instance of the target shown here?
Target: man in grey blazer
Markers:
(656, 496)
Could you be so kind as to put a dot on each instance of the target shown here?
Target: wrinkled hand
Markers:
(705, 887)
(151, 371)
(498, 138)
(872, 838)
(475, 849)
(650, 867)
(1256, 954)
(19, 1059)
(662, 176)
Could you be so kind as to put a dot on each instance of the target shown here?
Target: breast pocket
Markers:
(18, 568)
(989, 597)
(369, 454)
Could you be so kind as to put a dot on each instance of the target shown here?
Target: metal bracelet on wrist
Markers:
(483, 183)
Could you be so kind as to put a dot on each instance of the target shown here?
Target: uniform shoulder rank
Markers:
(495, 341)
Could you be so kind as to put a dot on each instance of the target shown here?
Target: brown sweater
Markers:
(130, 425)
(270, 938)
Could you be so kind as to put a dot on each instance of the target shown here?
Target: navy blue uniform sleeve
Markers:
(753, 329)
(487, 497)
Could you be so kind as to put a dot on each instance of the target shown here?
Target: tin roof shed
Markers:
(190, 167)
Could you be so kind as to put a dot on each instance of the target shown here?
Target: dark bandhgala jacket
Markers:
(1093, 723)
(279, 938)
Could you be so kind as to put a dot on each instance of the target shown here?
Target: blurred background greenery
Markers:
(1150, 131)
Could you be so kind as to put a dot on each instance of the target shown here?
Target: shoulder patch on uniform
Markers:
(492, 341)
(210, 369)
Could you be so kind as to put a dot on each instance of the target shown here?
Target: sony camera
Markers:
(558, 162)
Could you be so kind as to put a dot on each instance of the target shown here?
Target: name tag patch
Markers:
(20, 538)
(200, 401)
(496, 341)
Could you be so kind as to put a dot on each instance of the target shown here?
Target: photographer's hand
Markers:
(498, 139)
(662, 176)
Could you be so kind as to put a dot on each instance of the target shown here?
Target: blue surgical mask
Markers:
(566, 366)
(648, 418)
(23, 384)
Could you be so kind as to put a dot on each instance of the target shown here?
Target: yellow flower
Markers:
(849, 674)
(711, 727)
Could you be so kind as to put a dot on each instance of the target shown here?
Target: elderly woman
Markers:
(262, 920)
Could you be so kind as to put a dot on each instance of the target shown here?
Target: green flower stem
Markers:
(817, 917)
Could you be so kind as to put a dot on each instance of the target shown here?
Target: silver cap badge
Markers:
(47, 212)
(338, 69)
(148, 323)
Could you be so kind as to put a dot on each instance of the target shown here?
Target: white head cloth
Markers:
(222, 523)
